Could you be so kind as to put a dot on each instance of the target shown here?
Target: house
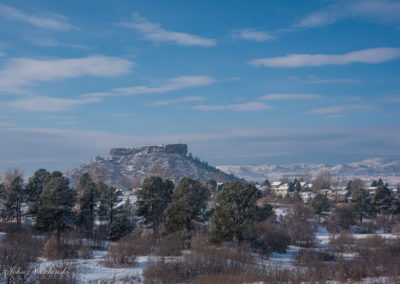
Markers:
(325, 191)
(276, 184)
(282, 190)
(307, 195)
(339, 195)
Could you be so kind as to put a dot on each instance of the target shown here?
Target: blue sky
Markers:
(239, 81)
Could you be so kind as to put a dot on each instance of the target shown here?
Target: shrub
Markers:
(342, 241)
(59, 249)
(396, 229)
(269, 237)
(204, 261)
(122, 254)
(168, 245)
(18, 252)
(310, 256)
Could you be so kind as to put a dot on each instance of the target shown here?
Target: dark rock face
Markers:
(125, 168)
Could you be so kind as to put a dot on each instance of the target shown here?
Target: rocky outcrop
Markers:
(128, 167)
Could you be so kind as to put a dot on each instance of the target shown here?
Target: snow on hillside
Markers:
(388, 168)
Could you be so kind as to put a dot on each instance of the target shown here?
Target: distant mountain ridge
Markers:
(125, 168)
(388, 168)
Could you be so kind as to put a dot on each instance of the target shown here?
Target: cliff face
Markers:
(128, 167)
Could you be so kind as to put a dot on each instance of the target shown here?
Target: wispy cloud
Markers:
(392, 99)
(372, 56)
(251, 34)
(176, 101)
(53, 43)
(50, 21)
(342, 108)
(288, 96)
(174, 84)
(121, 115)
(249, 106)
(333, 81)
(385, 11)
(18, 73)
(46, 104)
(4, 124)
(154, 32)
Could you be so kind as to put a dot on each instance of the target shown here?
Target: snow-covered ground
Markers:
(93, 270)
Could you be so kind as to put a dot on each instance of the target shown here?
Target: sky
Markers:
(241, 82)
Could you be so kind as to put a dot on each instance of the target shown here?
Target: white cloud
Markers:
(47, 104)
(333, 81)
(251, 34)
(53, 43)
(18, 73)
(372, 56)
(286, 96)
(342, 108)
(176, 101)
(174, 84)
(51, 22)
(154, 32)
(385, 11)
(249, 106)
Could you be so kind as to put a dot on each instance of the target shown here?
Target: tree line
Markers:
(54, 206)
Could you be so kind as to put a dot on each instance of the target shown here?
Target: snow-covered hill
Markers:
(368, 169)
(127, 167)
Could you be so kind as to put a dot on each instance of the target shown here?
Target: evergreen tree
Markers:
(380, 182)
(88, 197)
(361, 200)
(34, 189)
(383, 199)
(119, 228)
(320, 203)
(153, 198)
(266, 183)
(109, 198)
(349, 185)
(297, 186)
(13, 195)
(189, 201)
(56, 203)
(235, 211)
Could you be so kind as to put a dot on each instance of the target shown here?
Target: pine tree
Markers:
(235, 211)
(88, 197)
(361, 200)
(56, 203)
(383, 199)
(153, 198)
(34, 188)
(109, 198)
(297, 186)
(13, 195)
(320, 203)
(266, 183)
(119, 228)
(189, 202)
